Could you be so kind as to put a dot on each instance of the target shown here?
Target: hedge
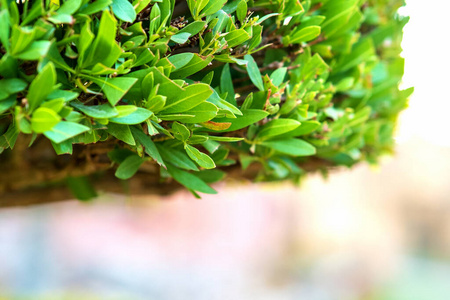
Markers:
(190, 89)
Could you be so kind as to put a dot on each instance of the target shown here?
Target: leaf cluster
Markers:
(195, 86)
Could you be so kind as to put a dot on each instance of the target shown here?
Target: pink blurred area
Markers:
(208, 248)
(358, 235)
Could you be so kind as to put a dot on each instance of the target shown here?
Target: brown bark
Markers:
(36, 175)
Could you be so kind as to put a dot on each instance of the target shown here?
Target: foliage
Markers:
(196, 86)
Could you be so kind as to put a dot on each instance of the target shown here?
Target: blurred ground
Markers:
(361, 235)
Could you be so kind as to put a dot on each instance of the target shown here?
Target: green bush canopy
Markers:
(190, 89)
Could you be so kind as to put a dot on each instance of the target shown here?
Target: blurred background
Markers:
(362, 234)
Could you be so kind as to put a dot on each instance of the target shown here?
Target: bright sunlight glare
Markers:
(427, 64)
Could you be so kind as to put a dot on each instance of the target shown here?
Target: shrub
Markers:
(199, 86)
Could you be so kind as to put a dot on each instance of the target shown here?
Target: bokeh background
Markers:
(363, 234)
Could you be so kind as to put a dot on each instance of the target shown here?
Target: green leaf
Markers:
(185, 33)
(22, 123)
(118, 155)
(316, 65)
(84, 41)
(226, 84)
(141, 5)
(276, 127)
(10, 136)
(55, 57)
(3, 95)
(156, 103)
(196, 64)
(114, 88)
(136, 117)
(69, 7)
(61, 19)
(21, 38)
(36, 11)
(223, 19)
(148, 144)
(41, 86)
(155, 19)
(104, 49)
(208, 78)
(180, 131)
(337, 14)
(293, 8)
(36, 51)
(63, 94)
(176, 158)
(254, 73)
(129, 167)
(360, 53)
(241, 11)
(260, 20)
(195, 6)
(250, 116)
(236, 37)
(228, 139)
(312, 20)
(81, 188)
(123, 10)
(203, 112)
(11, 86)
(196, 139)
(181, 59)
(125, 110)
(143, 57)
(292, 147)
(5, 28)
(303, 35)
(191, 96)
(121, 132)
(167, 8)
(181, 38)
(65, 130)
(167, 87)
(74, 116)
(103, 111)
(7, 104)
(223, 104)
(277, 77)
(213, 6)
(200, 158)
(211, 176)
(44, 119)
(345, 84)
(63, 147)
(175, 117)
(95, 7)
(194, 27)
(190, 180)
(256, 38)
(8, 66)
(306, 127)
(211, 146)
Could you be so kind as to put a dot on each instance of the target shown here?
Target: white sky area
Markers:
(426, 49)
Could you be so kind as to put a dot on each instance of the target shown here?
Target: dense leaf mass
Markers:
(197, 86)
